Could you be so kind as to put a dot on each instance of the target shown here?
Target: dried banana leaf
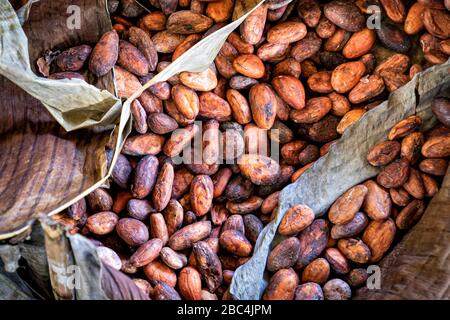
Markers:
(43, 166)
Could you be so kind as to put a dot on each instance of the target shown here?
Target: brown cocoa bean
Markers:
(359, 44)
(399, 196)
(190, 284)
(320, 82)
(131, 59)
(252, 27)
(282, 285)
(436, 22)
(235, 243)
(199, 81)
(161, 123)
(436, 167)
(414, 185)
(144, 144)
(309, 291)
(261, 170)
(102, 222)
(187, 22)
(350, 229)
(379, 236)
(132, 231)
(287, 32)
(188, 235)
(179, 140)
(146, 253)
(315, 110)
(383, 153)
(395, 10)
(296, 219)
(144, 177)
(357, 277)
(313, 240)
(99, 200)
(105, 54)
(209, 265)
(441, 109)
(367, 88)
(377, 203)
(139, 209)
(74, 58)
(307, 47)
(317, 271)
(345, 15)
(337, 261)
(354, 250)
(283, 255)
(410, 215)
(414, 19)
(253, 227)
(310, 12)
(346, 76)
(156, 271)
(201, 194)
(394, 175)
(337, 289)
(346, 206)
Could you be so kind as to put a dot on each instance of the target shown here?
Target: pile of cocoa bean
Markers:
(306, 69)
(326, 258)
